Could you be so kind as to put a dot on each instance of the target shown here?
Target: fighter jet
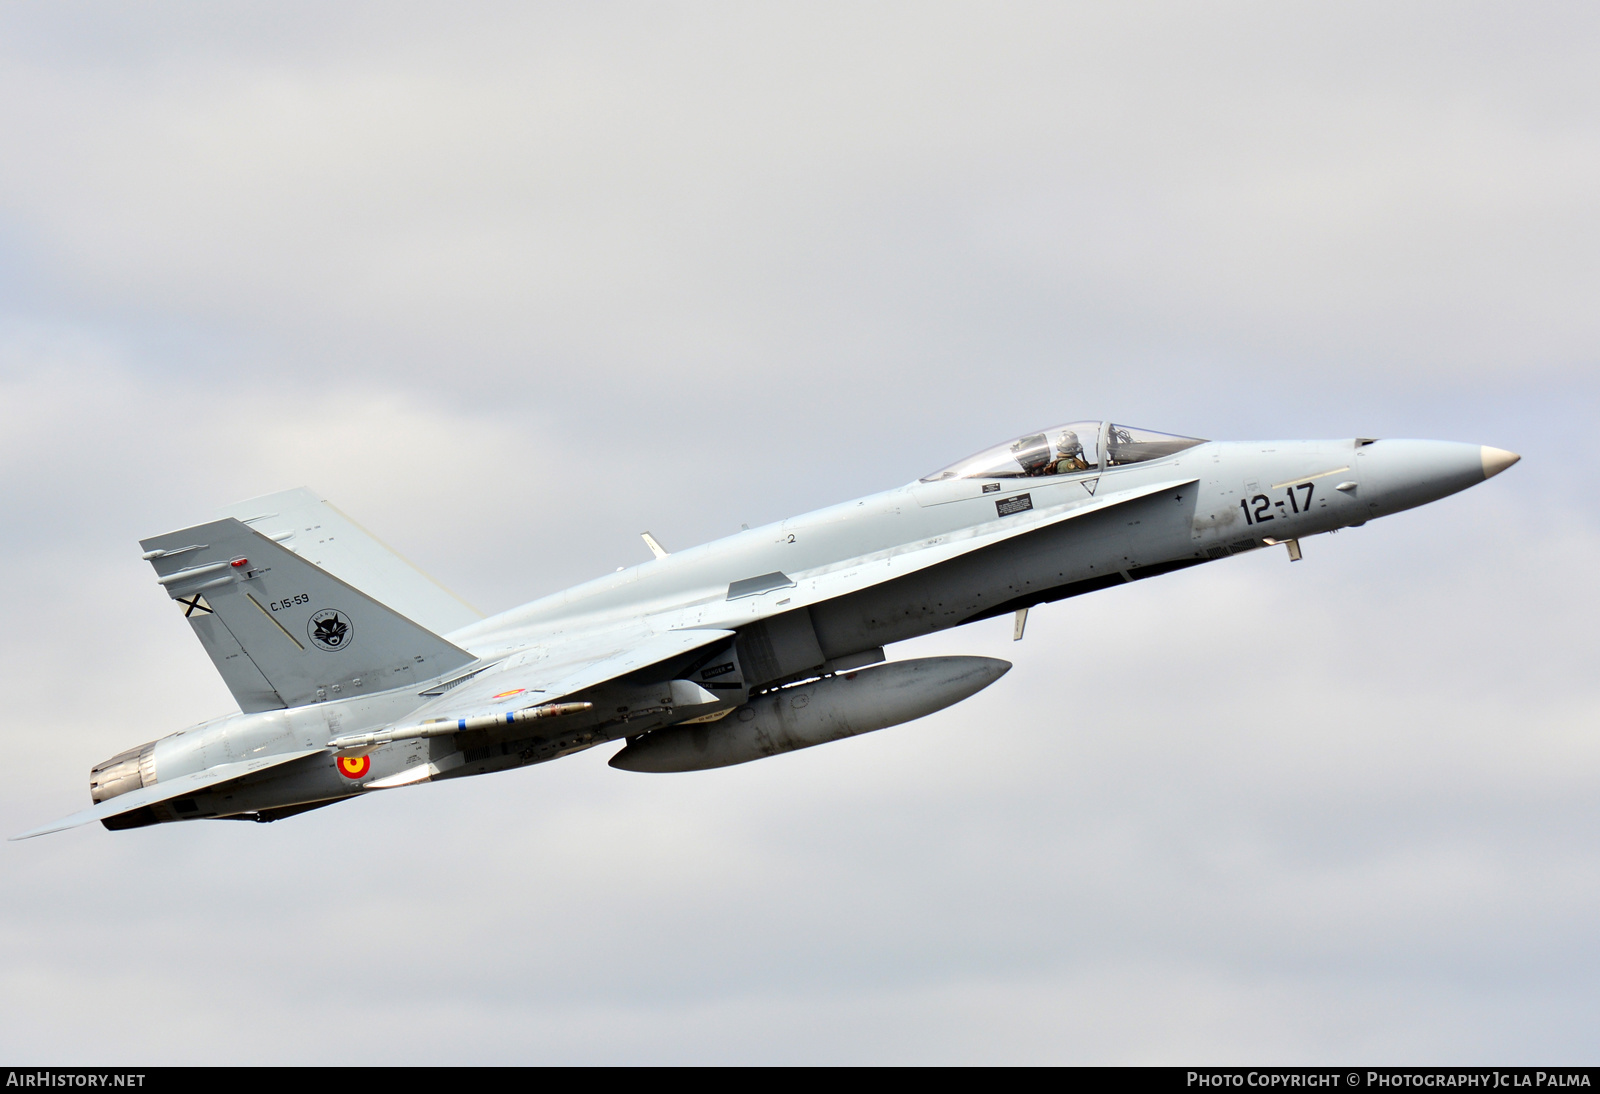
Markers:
(355, 674)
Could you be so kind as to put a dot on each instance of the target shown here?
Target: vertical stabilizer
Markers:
(281, 630)
(318, 532)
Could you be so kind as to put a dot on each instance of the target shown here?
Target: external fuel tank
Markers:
(814, 713)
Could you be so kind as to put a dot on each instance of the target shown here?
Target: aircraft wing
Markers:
(192, 783)
(808, 587)
(564, 663)
(546, 673)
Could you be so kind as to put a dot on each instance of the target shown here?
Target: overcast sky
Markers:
(511, 284)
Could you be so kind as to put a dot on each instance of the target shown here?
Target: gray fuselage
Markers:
(1221, 498)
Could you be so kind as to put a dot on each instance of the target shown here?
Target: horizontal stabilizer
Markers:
(192, 783)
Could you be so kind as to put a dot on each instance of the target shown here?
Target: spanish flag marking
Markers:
(508, 694)
(353, 767)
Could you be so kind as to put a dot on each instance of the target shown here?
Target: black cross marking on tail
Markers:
(194, 602)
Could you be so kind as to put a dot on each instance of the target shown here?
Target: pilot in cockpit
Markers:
(1069, 455)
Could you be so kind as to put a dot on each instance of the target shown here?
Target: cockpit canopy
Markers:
(1065, 450)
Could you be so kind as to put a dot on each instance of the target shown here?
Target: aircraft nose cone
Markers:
(1401, 474)
(1496, 460)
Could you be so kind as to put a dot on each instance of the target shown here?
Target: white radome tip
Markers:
(1496, 460)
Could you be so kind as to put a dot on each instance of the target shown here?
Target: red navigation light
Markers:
(239, 562)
